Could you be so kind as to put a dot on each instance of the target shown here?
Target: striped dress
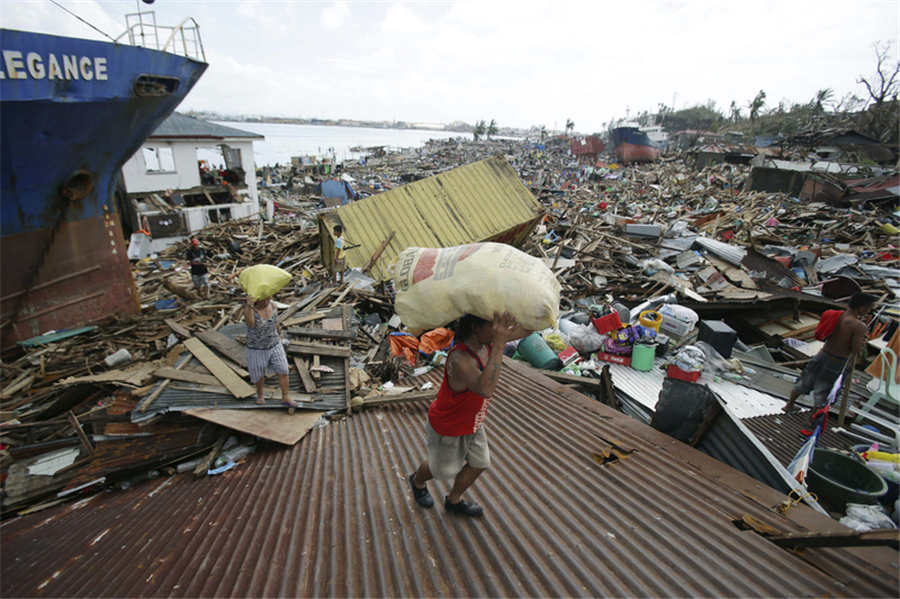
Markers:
(264, 349)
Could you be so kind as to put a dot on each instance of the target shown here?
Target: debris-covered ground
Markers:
(166, 390)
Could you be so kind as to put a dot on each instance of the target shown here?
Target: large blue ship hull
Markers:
(633, 145)
(72, 112)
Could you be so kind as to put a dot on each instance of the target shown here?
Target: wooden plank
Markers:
(273, 425)
(73, 420)
(317, 333)
(312, 300)
(23, 382)
(162, 386)
(177, 328)
(187, 376)
(316, 362)
(319, 349)
(341, 297)
(235, 385)
(226, 346)
(135, 375)
(334, 324)
(203, 465)
(309, 385)
(378, 253)
(303, 319)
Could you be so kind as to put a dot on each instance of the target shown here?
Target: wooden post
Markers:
(845, 389)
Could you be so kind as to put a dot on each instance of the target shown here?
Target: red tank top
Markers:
(458, 413)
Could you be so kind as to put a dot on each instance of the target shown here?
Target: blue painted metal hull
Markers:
(64, 134)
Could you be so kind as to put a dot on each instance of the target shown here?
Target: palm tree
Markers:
(735, 111)
(543, 133)
(570, 126)
(492, 128)
(823, 96)
(480, 128)
(756, 104)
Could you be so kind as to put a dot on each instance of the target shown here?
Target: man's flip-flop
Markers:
(290, 404)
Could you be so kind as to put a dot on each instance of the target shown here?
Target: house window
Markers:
(159, 160)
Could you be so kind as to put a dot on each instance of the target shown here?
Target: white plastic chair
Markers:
(887, 390)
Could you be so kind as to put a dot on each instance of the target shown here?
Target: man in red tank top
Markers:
(456, 438)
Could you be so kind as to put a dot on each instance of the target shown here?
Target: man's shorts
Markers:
(200, 280)
(448, 455)
(819, 376)
(261, 360)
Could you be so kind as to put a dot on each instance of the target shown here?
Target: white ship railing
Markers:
(182, 39)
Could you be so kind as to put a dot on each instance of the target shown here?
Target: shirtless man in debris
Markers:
(848, 338)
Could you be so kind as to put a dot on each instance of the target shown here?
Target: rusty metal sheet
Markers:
(85, 277)
(333, 516)
(781, 434)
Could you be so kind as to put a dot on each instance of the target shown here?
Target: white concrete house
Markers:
(209, 167)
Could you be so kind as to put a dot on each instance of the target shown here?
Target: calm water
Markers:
(283, 141)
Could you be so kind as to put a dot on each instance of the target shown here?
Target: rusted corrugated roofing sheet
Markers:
(482, 201)
(333, 516)
(781, 435)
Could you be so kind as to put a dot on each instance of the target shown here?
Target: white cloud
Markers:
(334, 16)
(522, 63)
(400, 19)
(44, 17)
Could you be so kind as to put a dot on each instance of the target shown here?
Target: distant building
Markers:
(209, 168)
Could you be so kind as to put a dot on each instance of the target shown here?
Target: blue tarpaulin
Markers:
(338, 189)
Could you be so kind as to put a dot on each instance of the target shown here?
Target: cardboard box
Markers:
(613, 358)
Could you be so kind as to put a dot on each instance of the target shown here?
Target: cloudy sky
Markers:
(523, 62)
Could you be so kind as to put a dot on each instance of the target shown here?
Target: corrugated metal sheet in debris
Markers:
(644, 388)
(470, 203)
(780, 433)
(333, 516)
(730, 442)
(179, 396)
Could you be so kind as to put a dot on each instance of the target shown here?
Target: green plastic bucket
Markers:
(537, 353)
(838, 479)
(642, 356)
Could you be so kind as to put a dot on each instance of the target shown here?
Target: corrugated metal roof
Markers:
(729, 440)
(482, 201)
(726, 251)
(333, 516)
(781, 435)
(182, 126)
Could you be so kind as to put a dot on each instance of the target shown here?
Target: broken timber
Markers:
(235, 385)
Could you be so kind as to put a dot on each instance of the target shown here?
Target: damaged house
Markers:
(187, 175)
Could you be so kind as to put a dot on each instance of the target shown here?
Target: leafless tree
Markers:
(885, 86)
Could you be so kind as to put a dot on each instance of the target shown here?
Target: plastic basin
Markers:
(838, 479)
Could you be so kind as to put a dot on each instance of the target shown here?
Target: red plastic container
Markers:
(607, 323)
(675, 372)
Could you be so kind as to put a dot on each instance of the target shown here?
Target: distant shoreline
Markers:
(461, 133)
